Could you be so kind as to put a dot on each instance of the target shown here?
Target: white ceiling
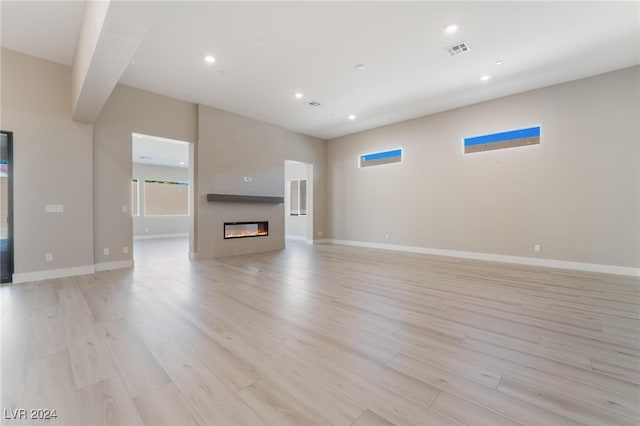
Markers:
(46, 29)
(267, 51)
(156, 151)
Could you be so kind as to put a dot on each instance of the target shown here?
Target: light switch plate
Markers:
(54, 208)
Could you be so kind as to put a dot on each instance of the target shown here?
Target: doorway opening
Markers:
(298, 208)
(6, 209)
(162, 198)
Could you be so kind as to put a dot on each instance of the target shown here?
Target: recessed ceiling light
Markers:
(485, 78)
(209, 59)
(360, 67)
(352, 117)
(498, 62)
(299, 95)
(450, 29)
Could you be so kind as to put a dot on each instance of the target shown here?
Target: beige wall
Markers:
(128, 111)
(231, 147)
(52, 158)
(577, 194)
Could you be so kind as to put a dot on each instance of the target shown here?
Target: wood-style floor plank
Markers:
(108, 403)
(166, 406)
(90, 359)
(138, 368)
(467, 413)
(50, 385)
(369, 418)
(323, 335)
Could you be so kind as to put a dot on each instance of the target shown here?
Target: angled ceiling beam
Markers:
(109, 37)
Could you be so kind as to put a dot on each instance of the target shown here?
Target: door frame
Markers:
(9, 204)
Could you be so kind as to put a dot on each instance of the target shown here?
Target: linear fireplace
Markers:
(245, 229)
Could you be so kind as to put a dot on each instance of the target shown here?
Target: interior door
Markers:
(6, 207)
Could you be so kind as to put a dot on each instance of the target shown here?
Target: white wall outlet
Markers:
(387, 237)
(125, 250)
(248, 178)
(146, 229)
(125, 208)
(48, 257)
(319, 233)
(106, 252)
(536, 248)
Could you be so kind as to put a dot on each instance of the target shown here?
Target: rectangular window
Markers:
(298, 197)
(166, 198)
(135, 197)
(509, 139)
(379, 158)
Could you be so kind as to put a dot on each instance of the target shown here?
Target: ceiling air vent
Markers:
(458, 48)
(314, 103)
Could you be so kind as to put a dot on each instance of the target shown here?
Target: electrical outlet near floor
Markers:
(48, 257)
(387, 237)
(106, 252)
(125, 250)
(536, 248)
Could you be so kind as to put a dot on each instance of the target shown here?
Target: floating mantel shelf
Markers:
(231, 198)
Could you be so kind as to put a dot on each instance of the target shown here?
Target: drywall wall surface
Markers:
(311, 150)
(52, 165)
(231, 148)
(576, 194)
(128, 110)
(149, 226)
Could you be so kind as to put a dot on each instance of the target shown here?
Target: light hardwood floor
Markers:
(323, 335)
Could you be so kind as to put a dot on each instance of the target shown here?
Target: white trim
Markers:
(548, 263)
(159, 236)
(298, 238)
(106, 266)
(295, 237)
(323, 241)
(193, 255)
(52, 273)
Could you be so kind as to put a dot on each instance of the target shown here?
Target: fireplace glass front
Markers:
(245, 229)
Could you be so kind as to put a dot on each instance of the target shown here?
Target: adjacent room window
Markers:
(135, 197)
(500, 140)
(379, 158)
(166, 198)
(298, 197)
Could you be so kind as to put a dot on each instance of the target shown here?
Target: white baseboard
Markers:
(298, 238)
(325, 241)
(549, 263)
(52, 273)
(106, 266)
(295, 237)
(160, 236)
